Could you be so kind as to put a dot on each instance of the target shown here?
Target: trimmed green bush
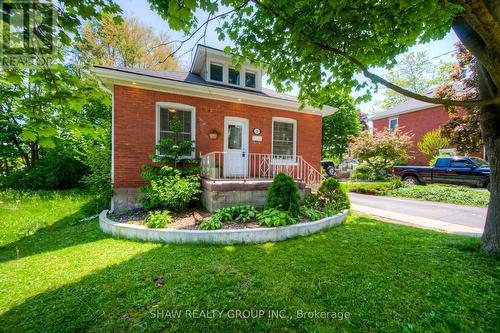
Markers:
(332, 194)
(168, 190)
(158, 219)
(283, 194)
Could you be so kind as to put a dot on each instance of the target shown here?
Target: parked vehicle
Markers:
(471, 171)
(329, 167)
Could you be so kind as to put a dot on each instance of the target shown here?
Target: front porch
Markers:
(230, 179)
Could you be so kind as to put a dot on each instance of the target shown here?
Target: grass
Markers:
(68, 276)
(460, 195)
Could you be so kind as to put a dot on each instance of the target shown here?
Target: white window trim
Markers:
(245, 79)
(391, 119)
(224, 69)
(182, 107)
(290, 121)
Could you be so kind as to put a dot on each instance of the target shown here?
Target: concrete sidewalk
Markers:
(456, 219)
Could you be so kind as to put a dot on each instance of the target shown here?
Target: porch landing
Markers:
(222, 193)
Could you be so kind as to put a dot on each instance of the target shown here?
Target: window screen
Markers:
(216, 72)
(283, 138)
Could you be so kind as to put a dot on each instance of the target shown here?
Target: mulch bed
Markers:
(189, 220)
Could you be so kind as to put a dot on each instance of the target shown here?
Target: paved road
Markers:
(431, 215)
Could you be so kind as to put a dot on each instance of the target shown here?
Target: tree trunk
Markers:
(490, 128)
(476, 28)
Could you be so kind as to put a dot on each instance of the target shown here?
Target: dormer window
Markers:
(234, 76)
(215, 66)
(249, 80)
(216, 72)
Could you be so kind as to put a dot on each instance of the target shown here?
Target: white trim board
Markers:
(114, 77)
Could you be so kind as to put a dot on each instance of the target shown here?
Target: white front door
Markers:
(235, 147)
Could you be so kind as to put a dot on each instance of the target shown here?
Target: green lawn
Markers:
(460, 195)
(68, 276)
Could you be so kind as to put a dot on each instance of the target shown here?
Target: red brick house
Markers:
(261, 132)
(415, 117)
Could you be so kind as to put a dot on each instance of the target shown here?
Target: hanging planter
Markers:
(213, 133)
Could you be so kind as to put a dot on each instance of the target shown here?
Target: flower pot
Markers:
(212, 136)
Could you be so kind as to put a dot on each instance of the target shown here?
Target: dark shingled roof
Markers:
(192, 78)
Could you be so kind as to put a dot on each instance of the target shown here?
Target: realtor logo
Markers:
(28, 28)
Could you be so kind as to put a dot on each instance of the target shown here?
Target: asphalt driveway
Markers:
(464, 220)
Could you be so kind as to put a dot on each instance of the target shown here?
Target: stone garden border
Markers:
(223, 236)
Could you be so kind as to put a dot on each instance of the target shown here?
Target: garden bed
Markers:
(189, 220)
(257, 234)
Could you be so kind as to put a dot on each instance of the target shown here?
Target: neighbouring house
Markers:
(244, 134)
(414, 117)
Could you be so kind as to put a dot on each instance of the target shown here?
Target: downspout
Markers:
(99, 83)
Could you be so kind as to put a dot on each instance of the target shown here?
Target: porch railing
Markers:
(239, 165)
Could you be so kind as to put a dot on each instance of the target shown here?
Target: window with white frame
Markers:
(393, 124)
(168, 114)
(250, 80)
(284, 136)
(216, 72)
(234, 76)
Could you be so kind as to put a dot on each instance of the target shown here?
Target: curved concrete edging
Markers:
(224, 236)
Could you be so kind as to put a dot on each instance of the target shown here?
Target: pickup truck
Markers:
(471, 171)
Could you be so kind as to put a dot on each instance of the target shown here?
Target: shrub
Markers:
(284, 194)
(236, 213)
(244, 213)
(167, 189)
(311, 201)
(273, 217)
(375, 188)
(311, 213)
(330, 192)
(381, 149)
(56, 170)
(362, 171)
(97, 157)
(431, 142)
(211, 224)
(158, 219)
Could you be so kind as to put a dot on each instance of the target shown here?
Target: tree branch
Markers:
(204, 25)
(377, 79)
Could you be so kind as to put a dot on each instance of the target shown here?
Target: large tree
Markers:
(338, 130)
(322, 45)
(127, 43)
(416, 72)
(463, 129)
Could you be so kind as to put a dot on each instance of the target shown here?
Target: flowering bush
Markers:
(382, 149)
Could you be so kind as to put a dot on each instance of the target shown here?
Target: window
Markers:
(235, 136)
(442, 163)
(234, 76)
(249, 80)
(284, 136)
(167, 114)
(216, 72)
(459, 164)
(393, 124)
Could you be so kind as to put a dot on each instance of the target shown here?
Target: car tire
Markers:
(410, 180)
(330, 171)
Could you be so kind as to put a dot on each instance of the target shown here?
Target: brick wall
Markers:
(134, 132)
(417, 123)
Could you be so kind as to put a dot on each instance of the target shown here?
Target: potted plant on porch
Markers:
(213, 133)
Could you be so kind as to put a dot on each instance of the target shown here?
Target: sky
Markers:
(141, 9)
